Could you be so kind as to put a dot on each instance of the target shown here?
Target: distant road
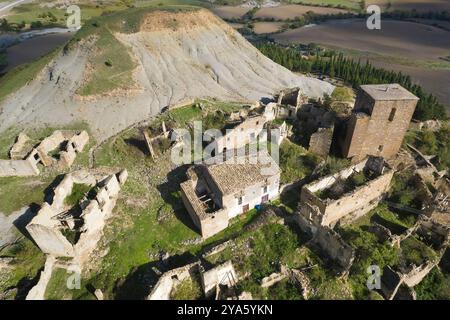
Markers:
(6, 6)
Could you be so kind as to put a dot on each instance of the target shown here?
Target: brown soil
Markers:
(293, 10)
(267, 27)
(32, 49)
(399, 45)
(230, 12)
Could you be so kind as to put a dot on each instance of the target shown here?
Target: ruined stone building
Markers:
(238, 134)
(339, 253)
(25, 159)
(215, 281)
(288, 103)
(379, 121)
(431, 233)
(169, 281)
(320, 141)
(344, 196)
(216, 193)
(64, 231)
(250, 128)
(316, 128)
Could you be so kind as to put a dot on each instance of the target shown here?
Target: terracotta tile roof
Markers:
(241, 172)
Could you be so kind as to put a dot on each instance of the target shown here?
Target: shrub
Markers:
(368, 251)
(78, 192)
(295, 162)
(270, 244)
(284, 290)
(435, 286)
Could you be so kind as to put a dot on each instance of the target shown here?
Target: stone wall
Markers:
(46, 228)
(18, 150)
(378, 125)
(242, 134)
(207, 223)
(291, 97)
(355, 135)
(38, 291)
(416, 275)
(350, 205)
(272, 279)
(18, 168)
(170, 279)
(74, 143)
(335, 248)
(223, 274)
(320, 141)
(214, 223)
(312, 117)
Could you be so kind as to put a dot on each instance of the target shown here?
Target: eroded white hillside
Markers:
(178, 56)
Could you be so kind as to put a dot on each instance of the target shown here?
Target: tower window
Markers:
(392, 114)
(380, 148)
(239, 200)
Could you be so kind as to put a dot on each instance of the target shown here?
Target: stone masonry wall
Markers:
(320, 141)
(378, 135)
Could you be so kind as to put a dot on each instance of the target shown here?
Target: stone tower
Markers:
(379, 121)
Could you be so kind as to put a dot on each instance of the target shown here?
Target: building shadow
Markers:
(25, 285)
(138, 144)
(140, 281)
(171, 193)
(395, 228)
(266, 100)
(49, 192)
(21, 222)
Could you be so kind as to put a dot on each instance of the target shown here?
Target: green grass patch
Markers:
(334, 289)
(52, 17)
(432, 143)
(368, 251)
(396, 222)
(57, 286)
(416, 252)
(186, 114)
(404, 190)
(112, 67)
(295, 162)
(58, 289)
(189, 289)
(342, 4)
(284, 290)
(19, 192)
(79, 191)
(435, 286)
(29, 260)
(342, 94)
